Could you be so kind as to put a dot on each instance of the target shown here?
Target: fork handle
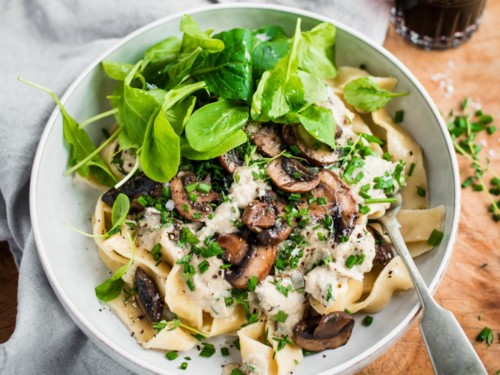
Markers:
(449, 349)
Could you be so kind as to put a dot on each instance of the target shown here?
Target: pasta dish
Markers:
(241, 180)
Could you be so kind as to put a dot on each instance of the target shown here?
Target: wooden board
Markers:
(468, 289)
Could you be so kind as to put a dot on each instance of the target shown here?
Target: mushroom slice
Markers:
(195, 210)
(323, 332)
(235, 247)
(315, 152)
(383, 250)
(259, 215)
(291, 176)
(258, 262)
(275, 235)
(137, 186)
(345, 209)
(147, 297)
(268, 141)
(230, 160)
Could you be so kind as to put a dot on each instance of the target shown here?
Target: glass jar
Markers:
(437, 24)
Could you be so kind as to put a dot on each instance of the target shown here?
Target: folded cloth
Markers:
(50, 42)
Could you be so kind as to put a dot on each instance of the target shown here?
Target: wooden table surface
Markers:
(471, 286)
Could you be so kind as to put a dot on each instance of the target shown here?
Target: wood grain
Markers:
(471, 287)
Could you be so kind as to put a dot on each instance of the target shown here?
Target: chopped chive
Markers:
(477, 187)
(294, 197)
(351, 261)
(399, 116)
(281, 316)
(191, 187)
(380, 200)
(203, 266)
(495, 181)
(208, 350)
(197, 215)
(465, 103)
(190, 285)
(421, 191)
(236, 343)
(364, 194)
(156, 252)
(486, 334)
(386, 156)
(361, 259)
(252, 283)
(321, 201)
(171, 355)
(468, 181)
(237, 371)
(142, 201)
(364, 209)
(204, 188)
(347, 311)
(412, 168)
(329, 293)
(367, 321)
(224, 351)
(435, 237)
(187, 358)
(183, 366)
(193, 197)
(485, 119)
(371, 138)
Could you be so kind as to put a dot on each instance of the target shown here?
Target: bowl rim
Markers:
(140, 365)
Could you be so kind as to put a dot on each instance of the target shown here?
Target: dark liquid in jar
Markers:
(440, 18)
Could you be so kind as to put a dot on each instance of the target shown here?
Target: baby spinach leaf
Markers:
(179, 71)
(270, 45)
(112, 287)
(232, 141)
(315, 90)
(116, 70)
(213, 123)
(162, 52)
(228, 73)
(194, 37)
(181, 92)
(365, 95)
(281, 91)
(319, 122)
(135, 106)
(179, 114)
(119, 212)
(79, 143)
(160, 155)
(317, 51)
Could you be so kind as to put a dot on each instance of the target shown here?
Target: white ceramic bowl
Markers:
(71, 261)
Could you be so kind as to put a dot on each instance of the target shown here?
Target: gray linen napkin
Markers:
(51, 42)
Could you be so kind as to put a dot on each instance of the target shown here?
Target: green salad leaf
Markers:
(119, 212)
(135, 105)
(160, 156)
(270, 45)
(180, 113)
(365, 95)
(228, 73)
(319, 122)
(213, 123)
(317, 51)
(116, 70)
(232, 141)
(112, 287)
(194, 37)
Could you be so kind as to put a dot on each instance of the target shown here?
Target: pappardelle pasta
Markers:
(250, 170)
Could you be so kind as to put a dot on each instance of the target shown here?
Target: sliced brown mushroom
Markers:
(235, 247)
(344, 207)
(315, 152)
(280, 231)
(258, 262)
(291, 176)
(323, 332)
(259, 215)
(268, 141)
(147, 297)
(139, 185)
(193, 210)
(383, 250)
(231, 160)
